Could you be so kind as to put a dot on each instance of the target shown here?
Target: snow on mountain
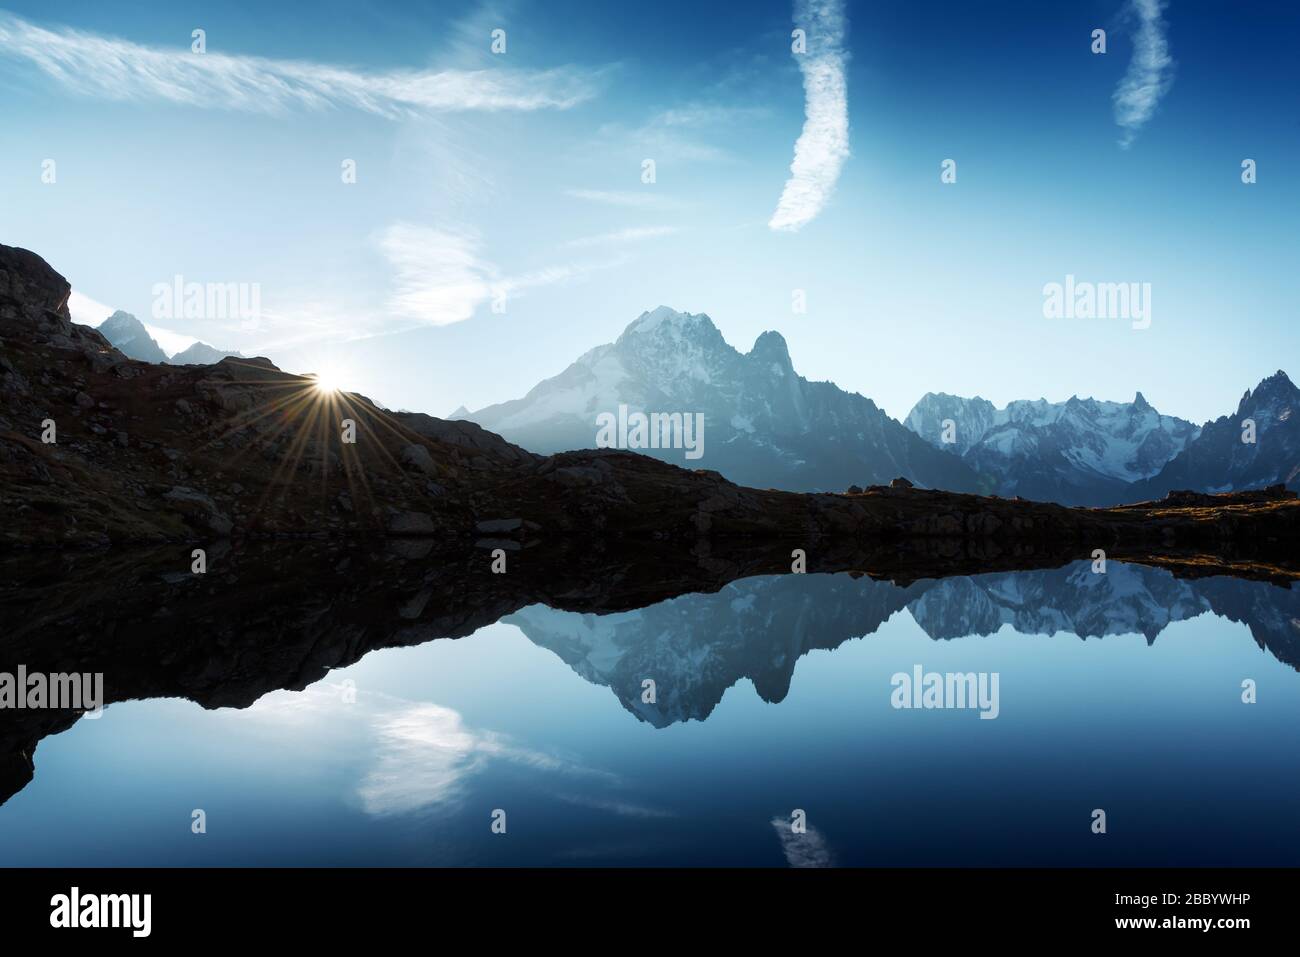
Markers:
(200, 354)
(1080, 452)
(765, 425)
(1125, 600)
(698, 646)
(1257, 446)
(131, 338)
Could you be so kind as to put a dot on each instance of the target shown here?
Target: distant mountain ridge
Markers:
(765, 424)
(201, 354)
(1088, 452)
(1077, 452)
(130, 337)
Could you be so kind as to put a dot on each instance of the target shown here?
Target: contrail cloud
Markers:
(1149, 73)
(823, 146)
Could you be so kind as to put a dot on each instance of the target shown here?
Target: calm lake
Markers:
(692, 731)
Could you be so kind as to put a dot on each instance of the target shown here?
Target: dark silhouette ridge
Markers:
(149, 453)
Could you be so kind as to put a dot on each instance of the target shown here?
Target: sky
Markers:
(500, 224)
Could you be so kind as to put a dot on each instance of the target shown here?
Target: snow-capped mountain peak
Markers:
(1080, 451)
(767, 425)
(1258, 445)
(663, 316)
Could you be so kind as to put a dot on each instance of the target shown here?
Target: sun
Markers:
(327, 382)
(330, 377)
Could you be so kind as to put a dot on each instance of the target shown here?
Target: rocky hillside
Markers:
(97, 448)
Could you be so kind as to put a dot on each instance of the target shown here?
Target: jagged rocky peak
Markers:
(1081, 451)
(1275, 388)
(770, 347)
(130, 336)
(663, 315)
(664, 326)
(121, 319)
(951, 422)
(766, 425)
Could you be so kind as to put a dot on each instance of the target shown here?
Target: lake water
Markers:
(1121, 692)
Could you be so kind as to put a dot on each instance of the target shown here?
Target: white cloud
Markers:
(630, 235)
(114, 69)
(823, 146)
(440, 276)
(1149, 73)
(632, 200)
(423, 754)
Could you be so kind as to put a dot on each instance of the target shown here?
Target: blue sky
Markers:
(482, 173)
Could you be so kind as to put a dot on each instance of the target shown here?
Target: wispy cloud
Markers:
(630, 235)
(629, 199)
(424, 753)
(441, 277)
(682, 134)
(109, 68)
(1150, 72)
(823, 146)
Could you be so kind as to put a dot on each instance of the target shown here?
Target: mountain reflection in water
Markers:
(347, 734)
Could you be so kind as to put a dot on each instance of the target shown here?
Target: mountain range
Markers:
(1078, 452)
(768, 426)
(697, 646)
(765, 424)
(1088, 452)
(129, 335)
